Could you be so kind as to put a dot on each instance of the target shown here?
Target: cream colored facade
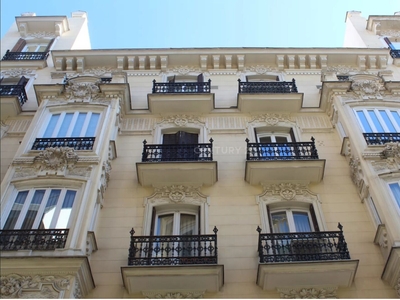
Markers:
(236, 190)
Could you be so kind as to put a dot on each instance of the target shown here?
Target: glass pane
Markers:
(50, 209)
(91, 130)
(33, 209)
(374, 119)
(188, 224)
(76, 132)
(66, 209)
(165, 224)
(52, 124)
(280, 222)
(15, 210)
(396, 117)
(65, 125)
(281, 139)
(265, 139)
(387, 121)
(302, 222)
(31, 48)
(395, 188)
(42, 48)
(367, 128)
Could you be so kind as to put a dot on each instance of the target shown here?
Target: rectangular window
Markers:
(379, 120)
(41, 209)
(77, 124)
(395, 188)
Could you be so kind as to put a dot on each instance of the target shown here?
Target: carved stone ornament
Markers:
(82, 91)
(391, 33)
(37, 286)
(342, 69)
(56, 158)
(99, 71)
(260, 69)
(41, 34)
(391, 150)
(183, 70)
(309, 293)
(105, 176)
(273, 119)
(177, 194)
(174, 295)
(286, 191)
(367, 86)
(18, 72)
(181, 120)
(397, 287)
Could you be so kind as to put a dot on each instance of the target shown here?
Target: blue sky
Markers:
(206, 23)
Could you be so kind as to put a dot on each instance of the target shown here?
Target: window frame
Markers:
(396, 202)
(27, 204)
(382, 122)
(176, 211)
(289, 214)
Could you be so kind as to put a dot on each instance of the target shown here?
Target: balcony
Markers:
(180, 262)
(12, 99)
(394, 53)
(25, 55)
(269, 96)
(177, 163)
(381, 138)
(283, 161)
(40, 239)
(304, 259)
(25, 59)
(78, 143)
(179, 97)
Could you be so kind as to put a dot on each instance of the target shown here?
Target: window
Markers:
(296, 219)
(379, 120)
(41, 209)
(395, 189)
(183, 146)
(32, 45)
(262, 78)
(72, 124)
(177, 221)
(275, 144)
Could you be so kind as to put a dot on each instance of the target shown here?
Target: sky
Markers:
(117, 24)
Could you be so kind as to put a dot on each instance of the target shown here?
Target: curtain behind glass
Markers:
(15, 210)
(280, 222)
(33, 209)
(49, 210)
(301, 222)
(165, 225)
(188, 224)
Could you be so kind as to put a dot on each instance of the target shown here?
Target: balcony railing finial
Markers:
(211, 140)
(215, 230)
(247, 140)
(259, 229)
(340, 226)
(132, 232)
(144, 142)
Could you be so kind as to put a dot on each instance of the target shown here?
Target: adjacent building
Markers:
(199, 173)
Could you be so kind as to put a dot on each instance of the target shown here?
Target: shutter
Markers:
(199, 218)
(153, 221)
(389, 43)
(187, 138)
(22, 81)
(19, 46)
(314, 218)
(49, 45)
(172, 80)
(292, 135)
(269, 220)
(170, 139)
(277, 78)
(200, 78)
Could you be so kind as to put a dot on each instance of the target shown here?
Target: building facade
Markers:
(199, 173)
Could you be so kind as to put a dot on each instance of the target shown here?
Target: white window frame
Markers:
(396, 202)
(290, 218)
(380, 119)
(27, 203)
(273, 136)
(37, 44)
(176, 212)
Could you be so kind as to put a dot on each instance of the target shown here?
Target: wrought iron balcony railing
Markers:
(267, 87)
(181, 87)
(177, 152)
(40, 239)
(395, 53)
(302, 246)
(173, 250)
(282, 151)
(78, 143)
(381, 138)
(14, 91)
(25, 55)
